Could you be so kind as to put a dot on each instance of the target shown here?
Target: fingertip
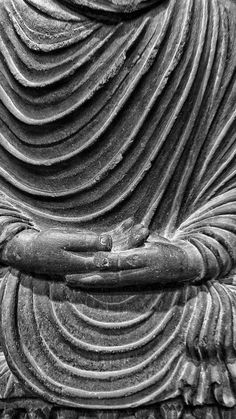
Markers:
(106, 261)
(127, 223)
(141, 228)
(145, 231)
(139, 236)
(106, 241)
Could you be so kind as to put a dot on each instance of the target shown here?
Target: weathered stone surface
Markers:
(117, 208)
(164, 411)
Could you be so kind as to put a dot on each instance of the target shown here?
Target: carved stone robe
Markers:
(109, 112)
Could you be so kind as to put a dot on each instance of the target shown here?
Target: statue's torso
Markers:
(98, 107)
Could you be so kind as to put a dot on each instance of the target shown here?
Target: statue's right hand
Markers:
(54, 251)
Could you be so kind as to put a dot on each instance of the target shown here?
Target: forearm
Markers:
(197, 258)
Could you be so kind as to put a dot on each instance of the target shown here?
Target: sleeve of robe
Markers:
(212, 230)
(206, 193)
(12, 221)
(211, 202)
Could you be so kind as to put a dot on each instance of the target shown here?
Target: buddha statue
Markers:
(118, 207)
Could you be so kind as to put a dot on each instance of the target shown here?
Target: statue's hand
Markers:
(55, 252)
(159, 263)
(124, 268)
(128, 235)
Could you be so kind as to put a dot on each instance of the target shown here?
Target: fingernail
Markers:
(101, 262)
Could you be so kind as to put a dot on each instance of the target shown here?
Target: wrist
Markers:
(193, 261)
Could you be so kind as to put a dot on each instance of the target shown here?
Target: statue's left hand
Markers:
(124, 268)
(117, 268)
(156, 263)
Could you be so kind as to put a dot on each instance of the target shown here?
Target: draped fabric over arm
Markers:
(12, 221)
(212, 230)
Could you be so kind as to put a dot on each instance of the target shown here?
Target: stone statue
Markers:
(118, 208)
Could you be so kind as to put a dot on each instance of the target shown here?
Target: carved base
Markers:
(173, 409)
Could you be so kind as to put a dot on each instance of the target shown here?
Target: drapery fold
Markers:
(108, 9)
